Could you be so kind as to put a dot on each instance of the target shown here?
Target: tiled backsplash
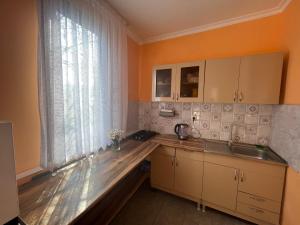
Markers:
(215, 120)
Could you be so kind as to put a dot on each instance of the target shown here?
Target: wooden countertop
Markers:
(62, 198)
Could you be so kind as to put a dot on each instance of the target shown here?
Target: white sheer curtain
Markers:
(82, 78)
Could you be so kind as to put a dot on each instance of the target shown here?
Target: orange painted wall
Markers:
(18, 79)
(133, 69)
(291, 40)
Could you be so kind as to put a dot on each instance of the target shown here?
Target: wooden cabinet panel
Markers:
(162, 169)
(260, 78)
(188, 173)
(221, 80)
(220, 185)
(163, 83)
(259, 202)
(258, 213)
(190, 82)
(257, 183)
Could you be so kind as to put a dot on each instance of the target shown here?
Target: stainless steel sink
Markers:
(253, 151)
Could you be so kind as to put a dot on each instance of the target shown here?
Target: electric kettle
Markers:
(181, 129)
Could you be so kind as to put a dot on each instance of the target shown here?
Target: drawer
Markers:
(165, 150)
(257, 213)
(189, 154)
(259, 202)
(260, 184)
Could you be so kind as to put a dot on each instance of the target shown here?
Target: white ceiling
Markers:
(154, 20)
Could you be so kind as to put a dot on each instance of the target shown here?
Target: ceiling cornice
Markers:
(223, 23)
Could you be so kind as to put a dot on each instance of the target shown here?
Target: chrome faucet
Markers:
(234, 124)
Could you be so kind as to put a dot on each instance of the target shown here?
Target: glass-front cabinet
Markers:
(180, 82)
(163, 88)
(190, 80)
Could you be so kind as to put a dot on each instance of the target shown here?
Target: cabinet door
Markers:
(221, 80)
(189, 173)
(162, 167)
(220, 185)
(260, 78)
(264, 185)
(163, 83)
(190, 82)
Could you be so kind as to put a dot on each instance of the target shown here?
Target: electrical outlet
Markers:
(196, 115)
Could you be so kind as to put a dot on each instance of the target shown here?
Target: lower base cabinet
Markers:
(220, 184)
(244, 188)
(162, 167)
(178, 171)
(188, 173)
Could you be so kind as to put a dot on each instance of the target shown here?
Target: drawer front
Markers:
(259, 184)
(259, 202)
(165, 150)
(258, 213)
(189, 154)
(247, 165)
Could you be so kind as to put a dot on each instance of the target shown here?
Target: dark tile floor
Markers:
(154, 207)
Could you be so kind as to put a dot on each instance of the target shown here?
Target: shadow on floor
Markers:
(153, 207)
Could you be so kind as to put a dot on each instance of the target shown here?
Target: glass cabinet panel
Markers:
(163, 83)
(189, 82)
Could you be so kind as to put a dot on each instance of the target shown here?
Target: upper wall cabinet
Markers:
(190, 82)
(222, 80)
(260, 79)
(249, 79)
(163, 83)
(180, 82)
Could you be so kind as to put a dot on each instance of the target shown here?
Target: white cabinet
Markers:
(181, 82)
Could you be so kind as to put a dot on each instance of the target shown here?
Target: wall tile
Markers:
(215, 120)
(216, 108)
(251, 119)
(252, 109)
(265, 120)
(227, 108)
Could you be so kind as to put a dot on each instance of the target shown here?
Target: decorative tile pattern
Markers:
(215, 120)
(252, 109)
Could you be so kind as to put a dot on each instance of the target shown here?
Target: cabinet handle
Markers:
(241, 97)
(256, 210)
(177, 97)
(257, 199)
(173, 96)
(172, 161)
(235, 96)
(242, 177)
(235, 174)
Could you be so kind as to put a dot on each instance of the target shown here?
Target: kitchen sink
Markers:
(253, 151)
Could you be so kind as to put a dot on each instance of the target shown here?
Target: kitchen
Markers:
(173, 78)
